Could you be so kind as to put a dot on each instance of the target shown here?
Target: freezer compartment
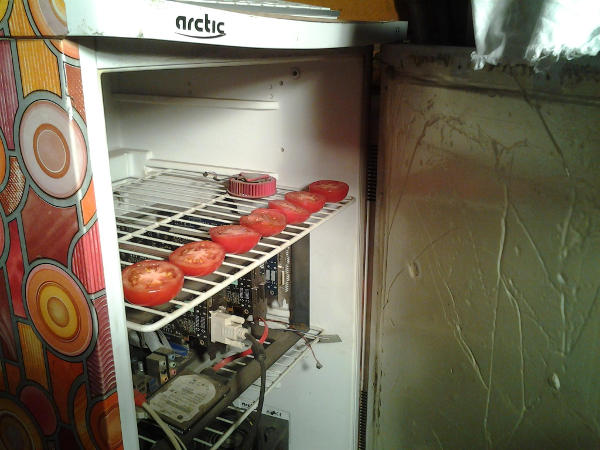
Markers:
(169, 208)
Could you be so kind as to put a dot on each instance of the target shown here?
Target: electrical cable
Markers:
(173, 438)
(307, 342)
(303, 335)
(260, 356)
(140, 401)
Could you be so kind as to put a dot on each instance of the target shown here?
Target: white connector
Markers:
(227, 328)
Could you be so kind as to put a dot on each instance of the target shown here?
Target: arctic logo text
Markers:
(200, 28)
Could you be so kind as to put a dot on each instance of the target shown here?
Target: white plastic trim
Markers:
(99, 162)
(173, 21)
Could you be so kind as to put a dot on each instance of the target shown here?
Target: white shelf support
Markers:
(197, 102)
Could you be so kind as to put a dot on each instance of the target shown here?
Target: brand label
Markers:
(246, 403)
(199, 27)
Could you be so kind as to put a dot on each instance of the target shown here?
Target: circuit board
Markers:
(267, 285)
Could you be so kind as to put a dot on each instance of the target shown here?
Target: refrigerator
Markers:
(97, 97)
(449, 299)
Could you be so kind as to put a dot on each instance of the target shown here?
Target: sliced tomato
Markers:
(234, 238)
(310, 201)
(293, 213)
(334, 191)
(266, 222)
(198, 258)
(151, 283)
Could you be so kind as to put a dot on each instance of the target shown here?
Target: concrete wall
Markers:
(487, 324)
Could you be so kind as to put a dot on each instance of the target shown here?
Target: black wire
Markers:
(259, 355)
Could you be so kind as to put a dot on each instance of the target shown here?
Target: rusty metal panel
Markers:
(487, 273)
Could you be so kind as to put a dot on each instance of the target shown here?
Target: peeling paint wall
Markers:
(488, 255)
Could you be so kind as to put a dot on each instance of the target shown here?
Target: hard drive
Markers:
(187, 397)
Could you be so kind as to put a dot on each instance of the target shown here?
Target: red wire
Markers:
(246, 352)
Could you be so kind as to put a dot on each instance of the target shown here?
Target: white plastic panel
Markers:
(99, 163)
(311, 135)
(184, 22)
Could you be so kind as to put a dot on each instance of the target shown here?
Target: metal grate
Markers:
(170, 207)
(275, 373)
(372, 173)
(218, 432)
(362, 420)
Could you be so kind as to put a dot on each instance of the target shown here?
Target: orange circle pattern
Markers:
(49, 16)
(105, 422)
(53, 157)
(51, 150)
(59, 310)
(17, 430)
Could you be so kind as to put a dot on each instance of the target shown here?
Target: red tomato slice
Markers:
(151, 283)
(334, 191)
(234, 238)
(293, 213)
(310, 201)
(266, 222)
(198, 258)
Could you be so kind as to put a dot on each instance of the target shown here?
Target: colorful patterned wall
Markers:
(57, 383)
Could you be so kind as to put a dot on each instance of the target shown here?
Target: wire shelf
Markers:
(223, 426)
(171, 207)
(219, 431)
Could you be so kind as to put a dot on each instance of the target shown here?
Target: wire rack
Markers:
(275, 374)
(171, 207)
(220, 430)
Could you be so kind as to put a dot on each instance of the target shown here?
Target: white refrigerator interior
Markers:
(298, 116)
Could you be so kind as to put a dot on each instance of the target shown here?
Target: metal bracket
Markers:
(329, 339)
